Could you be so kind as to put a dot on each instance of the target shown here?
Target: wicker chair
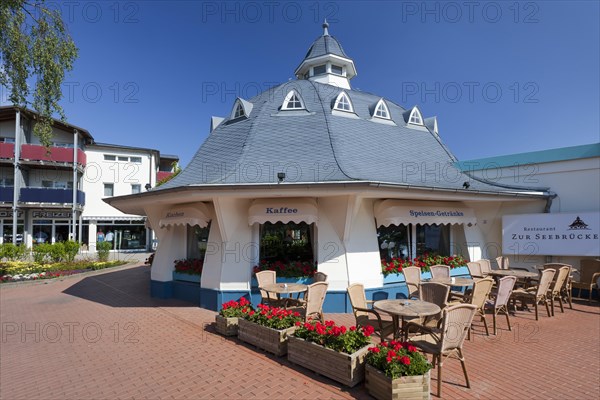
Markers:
(475, 270)
(478, 298)
(589, 272)
(440, 271)
(486, 266)
(556, 291)
(503, 262)
(501, 298)
(412, 276)
(536, 294)
(267, 278)
(447, 340)
(312, 304)
(365, 315)
(320, 277)
(436, 293)
(566, 289)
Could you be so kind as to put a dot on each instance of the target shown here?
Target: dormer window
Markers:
(239, 111)
(293, 101)
(381, 110)
(336, 69)
(343, 103)
(415, 117)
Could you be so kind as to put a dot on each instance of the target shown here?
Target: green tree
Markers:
(35, 52)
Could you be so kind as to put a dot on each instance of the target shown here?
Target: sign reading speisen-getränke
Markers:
(564, 234)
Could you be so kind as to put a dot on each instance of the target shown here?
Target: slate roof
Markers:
(321, 145)
(325, 45)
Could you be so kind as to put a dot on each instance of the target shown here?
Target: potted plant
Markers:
(392, 270)
(227, 318)
(189, 270)
(268, 328)
(397, 370)
(333, 351)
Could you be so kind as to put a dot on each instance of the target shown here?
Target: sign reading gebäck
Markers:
(565, 234)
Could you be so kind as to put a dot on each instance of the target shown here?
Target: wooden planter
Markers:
(347, 369)
(268, 339)
(406, 387)
(227, 326)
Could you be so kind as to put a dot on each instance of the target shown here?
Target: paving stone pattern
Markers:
(101, 336)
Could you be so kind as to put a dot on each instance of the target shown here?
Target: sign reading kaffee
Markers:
(564, 234)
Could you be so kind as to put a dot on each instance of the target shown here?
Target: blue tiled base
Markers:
(178, 276)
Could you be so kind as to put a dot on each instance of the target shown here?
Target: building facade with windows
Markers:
(56, 192)
(315, 171)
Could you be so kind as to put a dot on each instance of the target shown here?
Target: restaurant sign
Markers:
(564, 234)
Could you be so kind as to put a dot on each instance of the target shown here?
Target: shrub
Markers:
(103, 249)
(71, 250)
(41, 252)
(12, 252)
(57, 252)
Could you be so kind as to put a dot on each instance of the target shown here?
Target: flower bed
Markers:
(333, 351)
(17, 271)
(395, 265)
(293, 269)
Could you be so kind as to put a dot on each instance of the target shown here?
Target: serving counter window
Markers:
(286, 242)
(395, 241)
(433, 239)
(197, 239)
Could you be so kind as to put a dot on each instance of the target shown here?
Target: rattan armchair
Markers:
(501, 298)
(486, 266)
(556, 290)
(445, 341)
(478, 297)
(440, 271)
(436, 293)
(538, 294)
(412, 277)
(566, 289)
(320, 277)
(267, 278)
(475, 270)
(367, 316)
(312, 304)
(589, 272)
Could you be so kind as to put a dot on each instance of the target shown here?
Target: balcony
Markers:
(58, 155)
(44, 195)
(7, 150)
(160, 175)
(6, 194)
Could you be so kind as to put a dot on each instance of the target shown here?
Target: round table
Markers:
(406, 308)
(453, 281)
(285, 288)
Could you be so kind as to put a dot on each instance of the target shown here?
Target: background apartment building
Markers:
(56, 193)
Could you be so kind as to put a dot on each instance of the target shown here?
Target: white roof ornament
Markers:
(214, 122)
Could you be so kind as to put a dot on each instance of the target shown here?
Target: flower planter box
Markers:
(301, 279)
(271, 340)
(347, 369)
(227, 326)
(406, 387)
(179, 276)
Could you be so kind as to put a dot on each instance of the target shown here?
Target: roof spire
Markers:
(325, 27)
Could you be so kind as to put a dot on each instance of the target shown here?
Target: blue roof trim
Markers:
(534, 157)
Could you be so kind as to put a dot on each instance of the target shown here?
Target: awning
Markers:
(396, 212)
(283, 210)
(196, 214)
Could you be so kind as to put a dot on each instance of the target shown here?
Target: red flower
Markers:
(405, 360)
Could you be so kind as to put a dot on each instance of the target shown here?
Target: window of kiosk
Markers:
(61, 230)
(433, 239)
(394, 241)
(42, 231)
(286, 242)
(7, 231)
(197, 239)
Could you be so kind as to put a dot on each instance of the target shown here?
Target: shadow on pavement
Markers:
(124, 288)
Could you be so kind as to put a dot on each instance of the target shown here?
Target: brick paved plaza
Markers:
(101, 336)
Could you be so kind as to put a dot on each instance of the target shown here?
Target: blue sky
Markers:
(502, 77)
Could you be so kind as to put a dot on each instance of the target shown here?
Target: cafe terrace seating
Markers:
(556, 291)
(436, 293)
(365, 315)
(311, 306)
(537, 294)
(486, 266)
(589, 273)
(445, 341)
(475, 269)
(478, 297)
(440, 271)
(412, 276)
(264, 278)
(501, 298)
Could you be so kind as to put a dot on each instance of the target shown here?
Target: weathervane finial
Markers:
(325, 27)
